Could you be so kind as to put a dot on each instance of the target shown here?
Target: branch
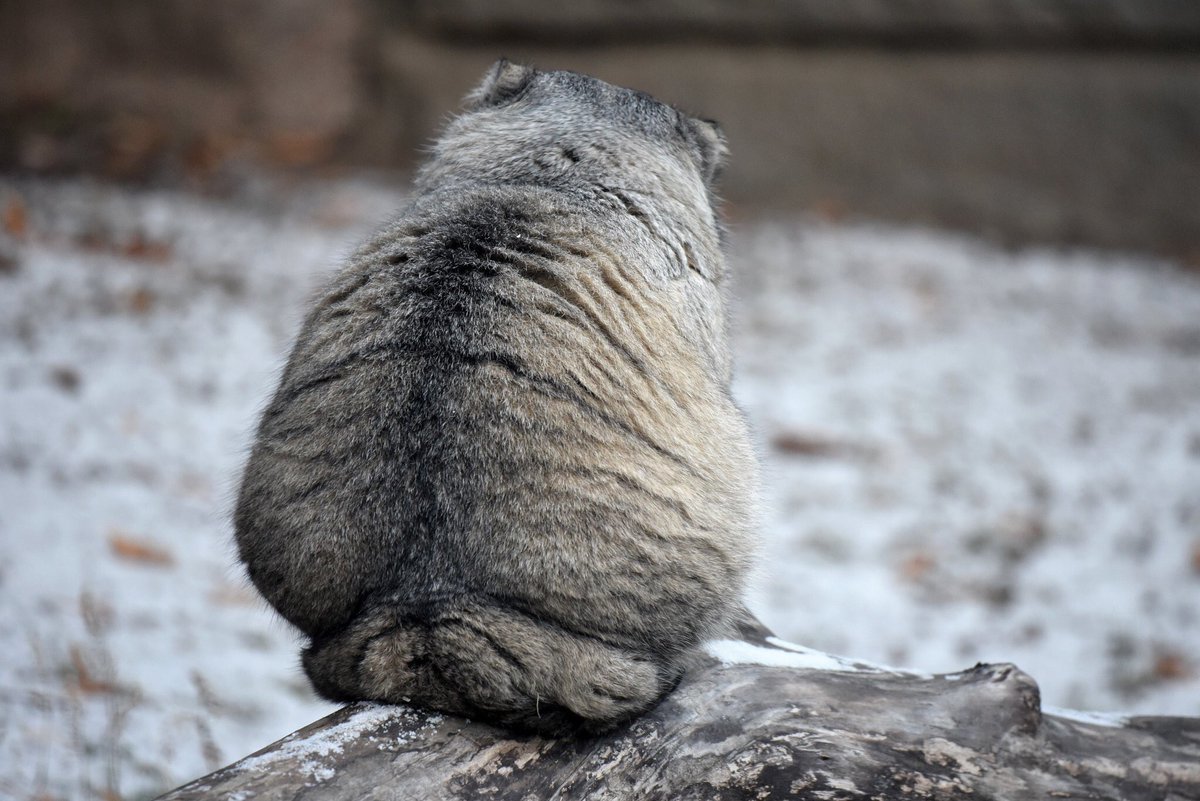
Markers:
(756, 719)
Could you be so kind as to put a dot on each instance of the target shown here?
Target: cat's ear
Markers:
(503, 82)
(708, 145)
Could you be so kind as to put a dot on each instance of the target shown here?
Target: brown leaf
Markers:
(299, 148)
(916, 566)
(812, 445)
(85, 682)
(830, 209)
(206, 153)
(94, 239)
(1171, 665)
(133, 142)
(140, 300)
(130, 549)
(796, 443)
(1196, 558)
(139, 247)
(16, 217)
(65, 378)
(228, 595)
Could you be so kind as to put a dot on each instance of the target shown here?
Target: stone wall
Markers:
(1072, 121)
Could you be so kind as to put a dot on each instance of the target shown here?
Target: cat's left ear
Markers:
(503, 82)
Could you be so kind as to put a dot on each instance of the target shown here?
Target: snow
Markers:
(317, 753)
(1104, 719)
(736, 652)
(1010, 457)
(790, 655)
(971, 454)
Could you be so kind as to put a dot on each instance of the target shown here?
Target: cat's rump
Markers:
(490, 662)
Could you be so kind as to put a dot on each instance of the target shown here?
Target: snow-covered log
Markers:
(757, 719)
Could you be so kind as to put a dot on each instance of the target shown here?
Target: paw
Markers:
(611, 687)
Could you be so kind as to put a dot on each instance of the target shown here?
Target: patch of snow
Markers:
(140, 333)
(977, 454)
(332, 741)
(786, 654)
(1109, 719)
(972, 454)
(736, 652)
(849, 664)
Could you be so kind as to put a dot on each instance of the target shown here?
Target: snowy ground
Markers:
(971, 455)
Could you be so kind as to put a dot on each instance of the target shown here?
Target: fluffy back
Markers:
(503, 475)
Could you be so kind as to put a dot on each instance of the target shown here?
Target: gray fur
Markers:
(502, 475)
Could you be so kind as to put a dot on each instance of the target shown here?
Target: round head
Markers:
(523, 124)
(643, 161)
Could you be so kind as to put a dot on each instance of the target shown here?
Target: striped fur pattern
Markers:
(502, 475)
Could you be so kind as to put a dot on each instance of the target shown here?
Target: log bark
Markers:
(756, 719)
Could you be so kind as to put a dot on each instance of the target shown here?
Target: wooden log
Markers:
(755, 719)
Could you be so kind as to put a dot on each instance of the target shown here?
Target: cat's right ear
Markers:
(711, 150)
(503, 83)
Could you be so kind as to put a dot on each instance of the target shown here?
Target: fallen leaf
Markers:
(133, 144)
(130, 549)
(84, 681)
(205, 154)
(16, 218)
(299, 149)
(65, 378)
(795, 443)
(139, 247)
(818, 446)
(227, 595)
(1171, 665)
(917, 566)
(140, 300)
(94, 239)
(829, 209)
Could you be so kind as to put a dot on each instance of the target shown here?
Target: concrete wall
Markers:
(1029, 120)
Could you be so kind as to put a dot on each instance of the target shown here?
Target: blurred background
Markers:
(1032, 120)
(966, 238)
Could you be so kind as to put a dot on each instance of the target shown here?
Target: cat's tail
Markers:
(488, 663)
